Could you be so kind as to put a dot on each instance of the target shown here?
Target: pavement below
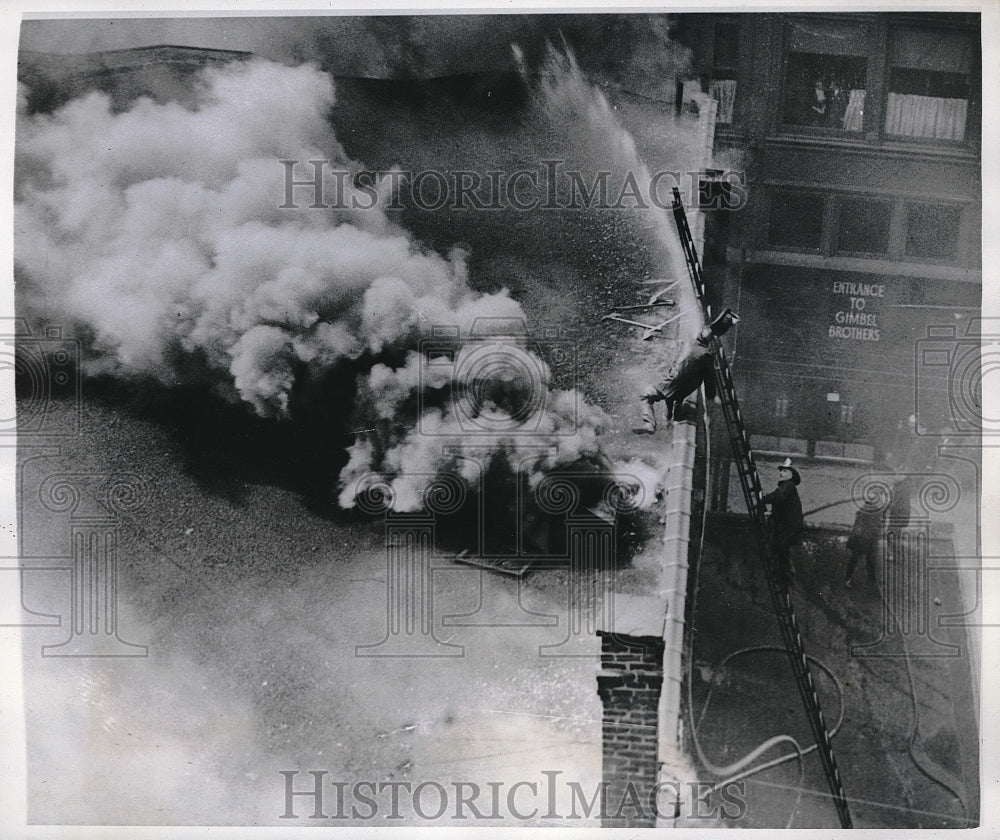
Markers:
(901, 702)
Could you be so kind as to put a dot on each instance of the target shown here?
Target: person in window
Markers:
(692, 369)
(836, 104)
(786, 521)
(817, 104)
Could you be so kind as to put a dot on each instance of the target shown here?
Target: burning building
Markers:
(261, 229)
(183, 189)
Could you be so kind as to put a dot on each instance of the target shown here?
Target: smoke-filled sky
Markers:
(633, 49)
(424, 45)
(157, 232)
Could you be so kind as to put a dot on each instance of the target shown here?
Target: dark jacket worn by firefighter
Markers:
(866, 530)
(864, 541)
(786, 514)
(694, 368)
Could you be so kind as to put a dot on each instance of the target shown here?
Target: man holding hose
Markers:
(694, 368)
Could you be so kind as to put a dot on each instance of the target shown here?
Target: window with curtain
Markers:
(826, 74)
(725, 63)
(928, 84)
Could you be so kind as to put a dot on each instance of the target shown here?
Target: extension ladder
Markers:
(750, 481)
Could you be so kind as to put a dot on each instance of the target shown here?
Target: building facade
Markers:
(854, 260)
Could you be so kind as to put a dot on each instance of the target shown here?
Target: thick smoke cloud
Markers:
(159, 233)
(571, 120)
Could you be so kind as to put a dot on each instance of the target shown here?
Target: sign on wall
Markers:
(858, 310)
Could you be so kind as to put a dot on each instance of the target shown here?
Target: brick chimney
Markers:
(629, 684)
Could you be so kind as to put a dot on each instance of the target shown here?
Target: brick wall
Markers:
(629, 685)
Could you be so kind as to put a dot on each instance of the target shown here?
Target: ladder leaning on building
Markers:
(750, 482)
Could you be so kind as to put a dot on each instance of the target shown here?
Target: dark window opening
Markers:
(825, 91)
(864, 226)
(726, 56)
(796, 220)
(826, 75)
(914, 82)
(932, 231)
(725, 64)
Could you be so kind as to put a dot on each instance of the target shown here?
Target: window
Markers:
(781, 407)
(726, 55)
(725, 64)
(932, 231)
(796, 220)
(846, 414)
(826, 75)
(864, 226)
(928, 84)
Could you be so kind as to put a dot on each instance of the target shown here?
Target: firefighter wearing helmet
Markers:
(693, 368)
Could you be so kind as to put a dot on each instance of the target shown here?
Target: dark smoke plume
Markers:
(157, 231)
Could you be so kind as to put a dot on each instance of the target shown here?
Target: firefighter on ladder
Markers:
(693, 368)
(786, 521)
